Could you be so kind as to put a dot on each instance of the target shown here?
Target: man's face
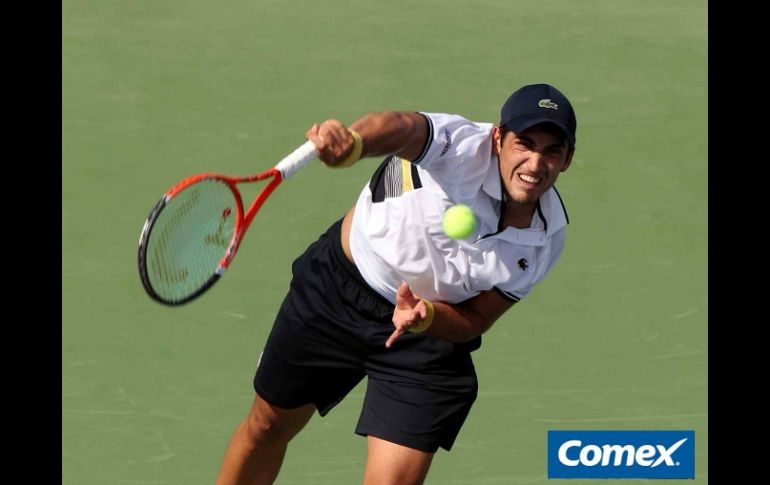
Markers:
(530, 162)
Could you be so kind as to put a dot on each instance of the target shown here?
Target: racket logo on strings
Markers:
(218, 238)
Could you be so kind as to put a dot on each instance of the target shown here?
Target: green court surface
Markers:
(615, 338)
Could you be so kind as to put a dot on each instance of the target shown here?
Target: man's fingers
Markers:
(336, 136)
(312, 135)
(409, 311)
(331, 139)
(404, 292)
(404, 287)
(396, 333)
(330, 136)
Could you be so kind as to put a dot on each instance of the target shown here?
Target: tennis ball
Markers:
(459, 222)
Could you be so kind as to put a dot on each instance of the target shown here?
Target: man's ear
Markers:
(496, 140)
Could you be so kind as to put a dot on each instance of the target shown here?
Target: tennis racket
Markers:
(193, 233)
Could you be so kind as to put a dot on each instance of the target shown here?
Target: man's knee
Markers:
(259, 426)
(269, 423)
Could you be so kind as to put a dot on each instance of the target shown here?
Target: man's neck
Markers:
(518, 215)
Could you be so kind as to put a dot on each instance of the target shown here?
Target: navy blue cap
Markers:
(539, 103)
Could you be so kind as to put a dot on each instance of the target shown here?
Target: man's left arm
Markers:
(454, 322)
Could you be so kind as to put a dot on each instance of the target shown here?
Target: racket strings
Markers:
(189, 238)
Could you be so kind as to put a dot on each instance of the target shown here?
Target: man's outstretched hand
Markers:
(410, 310)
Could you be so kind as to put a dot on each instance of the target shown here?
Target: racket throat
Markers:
(257, 204)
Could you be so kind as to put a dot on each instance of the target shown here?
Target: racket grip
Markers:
(296, 160)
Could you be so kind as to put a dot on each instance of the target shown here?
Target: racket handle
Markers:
(296, 160)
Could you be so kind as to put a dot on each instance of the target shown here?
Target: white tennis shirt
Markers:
(396, 234)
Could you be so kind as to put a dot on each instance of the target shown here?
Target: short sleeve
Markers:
(458, 151)
(452, 137)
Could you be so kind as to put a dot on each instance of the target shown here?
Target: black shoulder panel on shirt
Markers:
(377, 183)
(416, 183)
(392, 178)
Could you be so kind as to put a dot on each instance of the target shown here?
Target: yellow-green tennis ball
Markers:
(459, 222)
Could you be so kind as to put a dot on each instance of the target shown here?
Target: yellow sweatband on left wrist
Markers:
(355, 153)
(425, 322)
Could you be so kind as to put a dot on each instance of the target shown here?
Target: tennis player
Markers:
(385, 294)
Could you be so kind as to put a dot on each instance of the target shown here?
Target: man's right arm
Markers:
(400, 133)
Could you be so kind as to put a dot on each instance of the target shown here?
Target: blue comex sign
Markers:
(621, 454)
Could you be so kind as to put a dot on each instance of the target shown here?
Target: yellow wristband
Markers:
(425, 322)
(355, 153)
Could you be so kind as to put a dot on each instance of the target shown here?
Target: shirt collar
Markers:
(553, 211)
(491, 184)
(550, 207)
(550, 216)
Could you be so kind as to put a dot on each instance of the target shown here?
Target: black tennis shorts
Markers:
(330, 332)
